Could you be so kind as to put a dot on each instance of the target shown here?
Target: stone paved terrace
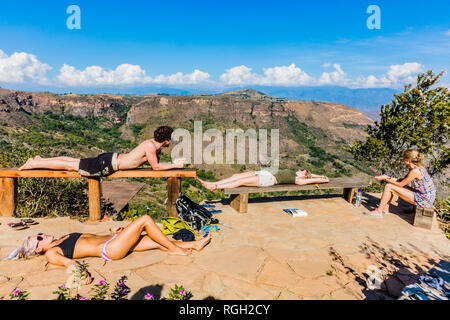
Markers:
(264, 254)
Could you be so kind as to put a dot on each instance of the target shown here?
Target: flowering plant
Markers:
(149, 296)
(62, 292)
(18, 294)
(121, 290)
(100, 290)
(179, 293)
(81, 272)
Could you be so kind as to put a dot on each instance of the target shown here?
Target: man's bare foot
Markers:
(200, 244)
(177, 251)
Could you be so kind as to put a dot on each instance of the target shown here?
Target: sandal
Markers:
(18, 225)
(29, 221)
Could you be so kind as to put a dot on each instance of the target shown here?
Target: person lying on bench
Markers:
(107, 163)
(422, 192)
(264, 178)
(113, 246)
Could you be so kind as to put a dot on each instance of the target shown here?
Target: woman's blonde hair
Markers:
(415, 156)
(28, 249)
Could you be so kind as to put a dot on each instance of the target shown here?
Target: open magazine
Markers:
(296, 212)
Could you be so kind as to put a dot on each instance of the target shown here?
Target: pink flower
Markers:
(16, 292)
(83, 298)
(183, 292)
(102, 282)
(148, 296)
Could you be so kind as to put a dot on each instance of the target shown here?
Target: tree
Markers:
(417, 118)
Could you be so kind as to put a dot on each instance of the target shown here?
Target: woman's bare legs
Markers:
(57, 163)
(389, 190)
(146, 243)
(241, 179)
(129, 237)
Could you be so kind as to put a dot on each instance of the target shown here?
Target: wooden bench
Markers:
(239, 196)
(8, 186)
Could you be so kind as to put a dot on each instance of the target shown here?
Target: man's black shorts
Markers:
(100, 166)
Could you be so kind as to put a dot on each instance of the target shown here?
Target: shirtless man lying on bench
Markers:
(107, 163)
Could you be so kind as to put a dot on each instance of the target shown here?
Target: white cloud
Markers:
(338, 77)
(124, 74)
(275, 76)
(396, 76)
(447, 33)
(20, 67)
(285, 76)
(179, 78)
(239, 75)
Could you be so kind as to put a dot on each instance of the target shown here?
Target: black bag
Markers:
(194, 214)
(184, 235)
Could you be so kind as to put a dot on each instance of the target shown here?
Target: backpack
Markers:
(194, 214)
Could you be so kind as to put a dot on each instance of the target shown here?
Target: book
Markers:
(296, 212)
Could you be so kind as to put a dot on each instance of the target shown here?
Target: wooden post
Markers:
(8, 196)
(95, 213)
(173, 191)
(348, 194)
(239, 202)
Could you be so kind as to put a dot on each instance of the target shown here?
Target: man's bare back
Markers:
(147, 151)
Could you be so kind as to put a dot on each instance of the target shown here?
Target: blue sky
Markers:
(291, 43)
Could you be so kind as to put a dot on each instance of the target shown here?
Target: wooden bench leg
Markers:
(173, 192)
(239, 202)
(8, 196)
(348, 194)
(95, 213)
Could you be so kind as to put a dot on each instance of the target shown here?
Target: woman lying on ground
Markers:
(62, 251)
(422, 193)
(265, 178)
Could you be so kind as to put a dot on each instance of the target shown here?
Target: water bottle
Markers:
(358, 198)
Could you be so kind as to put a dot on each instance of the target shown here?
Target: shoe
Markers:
(29, 221)
(18, 225)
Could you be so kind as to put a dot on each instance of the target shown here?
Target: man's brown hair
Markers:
(163, 133)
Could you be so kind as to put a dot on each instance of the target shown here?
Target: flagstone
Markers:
(190, 276)
(8, 287)
(20, 268)
(248, 290)
(239, 262)
(277, 274)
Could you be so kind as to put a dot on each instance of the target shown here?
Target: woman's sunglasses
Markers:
(40, 237)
